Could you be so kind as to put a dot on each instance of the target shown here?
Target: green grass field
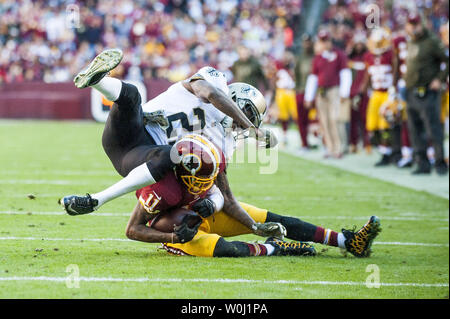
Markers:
(38, 242)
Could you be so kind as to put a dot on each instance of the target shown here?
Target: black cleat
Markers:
(78, 205)
(422, 169)
(441, 168)
(384, 161)
(359, 243)
(283, 248)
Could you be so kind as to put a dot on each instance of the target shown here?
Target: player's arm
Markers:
(209, 93)
(137, 228)
(365, 82)
(395, 71)
(231, 206)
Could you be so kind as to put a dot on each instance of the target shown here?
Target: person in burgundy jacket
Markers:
(331, 79)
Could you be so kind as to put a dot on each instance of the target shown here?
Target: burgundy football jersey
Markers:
(169, 193)
(380, 70)
(166, 194)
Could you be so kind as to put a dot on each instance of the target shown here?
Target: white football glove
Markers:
(264, 137)
(270, 229)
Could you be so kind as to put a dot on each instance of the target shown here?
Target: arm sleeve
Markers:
(345, 82)
(311, 87)
(215, 195)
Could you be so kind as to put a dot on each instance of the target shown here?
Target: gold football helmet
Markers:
(250, 100)
(379, 41)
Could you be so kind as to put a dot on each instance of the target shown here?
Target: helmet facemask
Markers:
(197, 185)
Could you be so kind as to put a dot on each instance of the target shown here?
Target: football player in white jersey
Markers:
(144, 159)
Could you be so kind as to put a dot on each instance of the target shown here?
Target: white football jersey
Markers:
(186, 113)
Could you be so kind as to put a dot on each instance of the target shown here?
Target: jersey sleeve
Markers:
(215, 195)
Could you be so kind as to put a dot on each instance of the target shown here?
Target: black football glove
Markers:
(184, 232)
(204, 207)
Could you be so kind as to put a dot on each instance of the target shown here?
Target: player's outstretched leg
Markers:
(272, 247)
(357, 243)
(132, 152)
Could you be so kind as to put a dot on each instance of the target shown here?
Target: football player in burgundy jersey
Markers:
(381, 75)
(191, 186)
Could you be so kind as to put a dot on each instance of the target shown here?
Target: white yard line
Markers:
(331, 217)
(62, 213)
(79, 173)
(224, 280)
(397, 243)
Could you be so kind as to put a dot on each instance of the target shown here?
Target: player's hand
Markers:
(308, 104)
(204, 207)
(266, 138)
(270, 229)
(184, 232)
(356, 100)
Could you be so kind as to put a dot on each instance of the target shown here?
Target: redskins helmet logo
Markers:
(192, 163)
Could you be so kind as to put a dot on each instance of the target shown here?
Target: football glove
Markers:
(184, 232)
(266, 139)
(270, 229)
(204, 207)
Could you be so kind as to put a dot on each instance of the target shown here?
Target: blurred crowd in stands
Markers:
(252, 41)
(160, 38)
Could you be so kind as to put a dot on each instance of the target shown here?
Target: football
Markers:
(165, 222)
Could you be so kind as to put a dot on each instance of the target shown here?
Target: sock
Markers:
(270, 249)
(385, 150)
(341, 240)
(326, 237)
(259, 249)
(109, 87)
(137, 178)
(407, 151)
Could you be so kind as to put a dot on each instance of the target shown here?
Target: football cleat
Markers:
(284, 248)
(384, 161)
(78, 205)
(359, 243)
(99, 68)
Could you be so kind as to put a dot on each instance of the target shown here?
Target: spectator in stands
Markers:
(424, 79)
(331, 78)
